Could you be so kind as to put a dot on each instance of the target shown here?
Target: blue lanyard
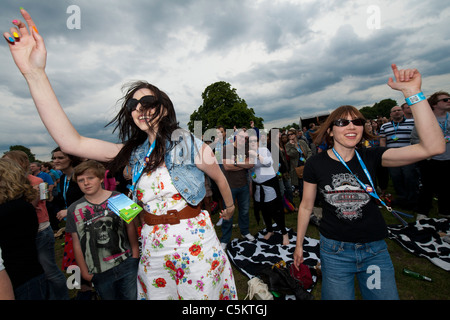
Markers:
(299, 149)
(444, 128)
(395, 127)
(139, 168)
(371, 189)
(66, 187)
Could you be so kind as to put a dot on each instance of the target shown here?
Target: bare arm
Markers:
(229, 164)
(133, 239)
(30, 56)
(6, 289)
(304, 212)
(207, 162)
(432, 141)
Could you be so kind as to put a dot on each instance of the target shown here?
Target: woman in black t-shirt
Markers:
(352, 229)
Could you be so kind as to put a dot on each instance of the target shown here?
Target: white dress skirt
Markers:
(182, 261)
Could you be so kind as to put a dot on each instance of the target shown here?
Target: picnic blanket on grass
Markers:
(251, 257)
(425, 238)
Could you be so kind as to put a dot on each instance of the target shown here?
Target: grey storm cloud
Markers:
(286, 58)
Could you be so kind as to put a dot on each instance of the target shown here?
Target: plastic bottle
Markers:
(416, 275)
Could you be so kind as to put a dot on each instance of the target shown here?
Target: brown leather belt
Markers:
(172, 216)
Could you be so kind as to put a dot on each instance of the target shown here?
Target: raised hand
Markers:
(409, 81)
(26, 45)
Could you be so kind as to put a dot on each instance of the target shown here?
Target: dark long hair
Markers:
(132, 137)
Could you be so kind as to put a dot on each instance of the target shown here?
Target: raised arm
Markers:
(30, 55)
(432, 141)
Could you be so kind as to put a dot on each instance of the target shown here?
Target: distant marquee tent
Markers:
(317, 118)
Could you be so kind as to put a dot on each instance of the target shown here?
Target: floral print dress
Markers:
(181, 261)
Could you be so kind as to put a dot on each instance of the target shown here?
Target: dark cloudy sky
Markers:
(287, 59)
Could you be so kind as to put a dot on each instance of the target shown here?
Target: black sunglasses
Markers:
(145, 101)
(445, 100)
(344, 122)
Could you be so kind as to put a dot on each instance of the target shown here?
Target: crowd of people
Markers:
(166, 171)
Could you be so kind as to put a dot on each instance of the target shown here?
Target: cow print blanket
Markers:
(250, 257)
(425, 238)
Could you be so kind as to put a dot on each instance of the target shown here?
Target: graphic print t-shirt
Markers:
(349, 213)
(102, 234)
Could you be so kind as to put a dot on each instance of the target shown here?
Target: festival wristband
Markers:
(415, 98)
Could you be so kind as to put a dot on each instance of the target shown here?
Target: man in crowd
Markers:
(396, 134)
(235, 168)
(435, 173)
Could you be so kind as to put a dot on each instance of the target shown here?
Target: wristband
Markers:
(229, 206)
(415, 99)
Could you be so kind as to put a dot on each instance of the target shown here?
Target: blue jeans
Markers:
(118, 283)
(242, 197)
(45, 243)
(34, 289)
(369, 262)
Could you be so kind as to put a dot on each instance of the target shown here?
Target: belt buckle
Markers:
(172, 217)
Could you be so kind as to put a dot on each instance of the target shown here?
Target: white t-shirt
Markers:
(263, 171)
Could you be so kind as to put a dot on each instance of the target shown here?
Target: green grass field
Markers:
(408, 288)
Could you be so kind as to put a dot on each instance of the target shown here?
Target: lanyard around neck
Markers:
(370, 189)
(139, 168)
(395, 125)
(66, 187)
(444, 128)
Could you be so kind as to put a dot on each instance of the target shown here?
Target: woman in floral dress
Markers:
(180, 260)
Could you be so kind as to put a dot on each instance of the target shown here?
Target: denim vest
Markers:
(186, 177)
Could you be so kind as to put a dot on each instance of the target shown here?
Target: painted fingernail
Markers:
(35, 30)
(11, 39)
(16, 35)
(15, 22)
(21, 8)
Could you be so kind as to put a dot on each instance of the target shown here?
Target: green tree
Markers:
(382, 108)
(31, 156)
(223, 106)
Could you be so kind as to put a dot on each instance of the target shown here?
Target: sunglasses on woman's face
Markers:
(145, 101)
(344, 122)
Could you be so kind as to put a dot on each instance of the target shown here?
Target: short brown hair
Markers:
(48, 165)
(323, 134)
(96, 167)
(433, 99)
